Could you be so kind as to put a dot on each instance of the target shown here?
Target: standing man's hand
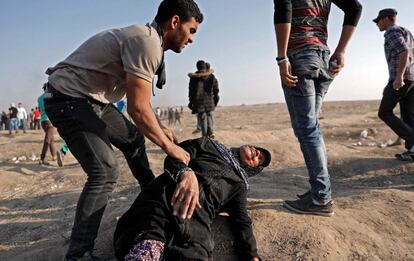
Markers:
(186, 196)
(401, 67)
(285, 70)
(336, 63)
(170, 134)
(398, 83)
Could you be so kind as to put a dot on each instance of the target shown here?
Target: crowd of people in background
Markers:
(17, 119)
(172, 114)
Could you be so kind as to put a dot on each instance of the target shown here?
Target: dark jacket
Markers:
(203, 92)
(221, 189)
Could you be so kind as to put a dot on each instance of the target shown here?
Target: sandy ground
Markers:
(374, 193)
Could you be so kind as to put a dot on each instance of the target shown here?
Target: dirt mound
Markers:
(373, 192)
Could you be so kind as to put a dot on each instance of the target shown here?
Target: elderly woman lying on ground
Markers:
(149, 230)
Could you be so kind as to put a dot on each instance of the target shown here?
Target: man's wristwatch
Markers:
(281, 60)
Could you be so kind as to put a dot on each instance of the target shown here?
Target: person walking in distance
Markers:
(22, 117)
(399, 52)
(49, 140)
(36, 118)
(13, 120)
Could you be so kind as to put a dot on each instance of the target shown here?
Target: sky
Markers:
(237, 38)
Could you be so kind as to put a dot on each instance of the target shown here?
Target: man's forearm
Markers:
(282, 38)
(346, 35)
(402, 65)
(282, 20)
(147, 123)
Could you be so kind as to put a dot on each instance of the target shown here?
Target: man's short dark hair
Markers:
(201, 65)
(185, 9)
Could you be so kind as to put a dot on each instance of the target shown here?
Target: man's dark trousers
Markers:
(89, 128)
(403, 127)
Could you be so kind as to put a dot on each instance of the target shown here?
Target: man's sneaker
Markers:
(304, 195)
(60, 156)
(306, 206)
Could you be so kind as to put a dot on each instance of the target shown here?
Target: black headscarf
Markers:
(232, 156)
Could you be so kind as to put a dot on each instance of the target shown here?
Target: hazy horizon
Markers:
(237, 38)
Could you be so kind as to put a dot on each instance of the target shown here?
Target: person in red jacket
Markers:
(36, 118)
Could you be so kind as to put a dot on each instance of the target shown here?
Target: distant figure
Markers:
(3, 121)
(158, 112)
(49, 140)
(399, 52)
(22, 117)
(30, 119)
(162, 114)
(13, 120)
(177, 116)
(203, 96)
(171, 116)
(306, 71)
(150, 231)
(36, 118)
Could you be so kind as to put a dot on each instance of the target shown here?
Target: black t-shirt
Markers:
(13, 112)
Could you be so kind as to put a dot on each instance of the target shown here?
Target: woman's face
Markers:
(251, 156)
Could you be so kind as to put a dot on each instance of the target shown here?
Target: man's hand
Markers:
(178, 153)
(186, 196)
(170, 134)
(286, 76)
(255, 259)
(398, 83)
(336, 63)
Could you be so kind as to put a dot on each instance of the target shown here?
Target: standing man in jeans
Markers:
(306, 71)
(399, 52)
(110, 66)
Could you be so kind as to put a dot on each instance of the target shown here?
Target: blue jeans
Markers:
(206, 121)
(304, 104)
(13, 124)
(91, 129)
(22, 125)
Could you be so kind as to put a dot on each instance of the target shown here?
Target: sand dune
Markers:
(374, 193)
